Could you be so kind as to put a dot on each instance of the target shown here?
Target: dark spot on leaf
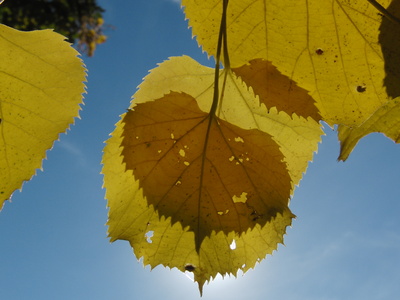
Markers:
(361, 88)
(319, 51)
(189, 268)
(255, 215)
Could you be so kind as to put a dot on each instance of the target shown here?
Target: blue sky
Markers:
(344, 244)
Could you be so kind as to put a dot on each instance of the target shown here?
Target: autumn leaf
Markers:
(185, 186)
(385, 120)
(201, 171)
(296, 136)
(41, 81)
(154, 238)
(277, 90)
(344, 53)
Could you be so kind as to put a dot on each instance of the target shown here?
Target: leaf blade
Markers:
(206, 174)
(41, 81)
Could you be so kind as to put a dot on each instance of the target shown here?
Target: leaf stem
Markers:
(222, 43)
(384, 11)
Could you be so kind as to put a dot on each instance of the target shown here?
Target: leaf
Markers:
(296, 136)
(385, 120)
(132, 219)
(201, 171)
(163, 141)
(335, 49)
(277, 90)
(41, 86)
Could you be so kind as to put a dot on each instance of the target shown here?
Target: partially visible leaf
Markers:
(277, 90)
(389, 32)
(385, 120)
(334, 49)
(41, 86)
(201, 171)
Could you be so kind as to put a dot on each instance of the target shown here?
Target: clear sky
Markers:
(344, 244)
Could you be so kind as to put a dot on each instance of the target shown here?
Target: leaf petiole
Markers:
(384, 11)
(222, 42)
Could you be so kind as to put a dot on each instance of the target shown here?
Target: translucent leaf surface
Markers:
(196, 199)
(201, 171)
(41, 86)
(385, 120)
(343, 52)
(277, 90)
(296, 136)
(131, 218)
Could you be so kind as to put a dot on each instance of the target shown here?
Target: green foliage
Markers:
(80, 21)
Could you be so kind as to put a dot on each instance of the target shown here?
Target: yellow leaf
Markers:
(338, 50)
(163, 138)
(132, 219)
(41, 86)
(201, 171)
(277, 90)
(385, 120)
(296, 136)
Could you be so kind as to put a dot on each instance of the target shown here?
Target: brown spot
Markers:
(361, 88)
(189, 268)
(319, 51)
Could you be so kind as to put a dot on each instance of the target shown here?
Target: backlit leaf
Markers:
(296, 136)
(385, 120)
(41, 86)
(201, 171)
(160, 243)
(155, 179)
(339, 50)
(277, 90)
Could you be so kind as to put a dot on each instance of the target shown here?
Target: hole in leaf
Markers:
(221, 213)
(182, 153)
(239, 139)
(241, 199)
(149, 235)
(233, 245)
